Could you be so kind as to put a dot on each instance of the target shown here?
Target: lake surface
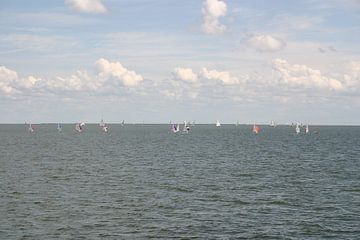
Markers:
(142, 181)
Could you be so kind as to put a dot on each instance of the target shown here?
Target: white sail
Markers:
(272, 124)
(79, 127)
(31, 129)
(297, 129)
(307, 129)
(103, 126)
(59, 127)
(102, 123)
(218, 123)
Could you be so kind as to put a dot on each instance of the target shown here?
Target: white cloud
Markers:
(7, 77)
(110, 76)
(304, 76)
(266, 43)
(222, 76)
(87, 6)
(109, 69)
(185, 74)
(352, 78)
(211, 12)
(80, 81)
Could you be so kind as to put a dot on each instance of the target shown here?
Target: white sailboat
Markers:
(307, 129)
(297, 128)
(59, 127)
(103, 126)
(31, 128)
(79, 127)
(175, 128)
(218, 123)
(186, 127)
(272, 123)
(102, 123)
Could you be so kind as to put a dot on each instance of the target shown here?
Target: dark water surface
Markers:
(139, 182)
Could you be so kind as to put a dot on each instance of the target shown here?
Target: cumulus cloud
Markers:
(352, 78)
(222, 76)
(304, 76)
(212, 10)
(108, 78)
(79, 81)
(109, 69)
(266, 43)
(87, 6)
(185, 74)
(7, 78)
(11, 83)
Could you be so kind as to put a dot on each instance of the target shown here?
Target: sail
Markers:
(307, 129)
(272, 123)
(59, 127)
(297, 129)
(218, 123)
(255, 129)
(102, 123)
(175, 128)
(31, 128)
(79, 127)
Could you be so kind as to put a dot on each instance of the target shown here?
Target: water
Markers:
(142, 182)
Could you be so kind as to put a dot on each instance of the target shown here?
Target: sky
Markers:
(157, 61)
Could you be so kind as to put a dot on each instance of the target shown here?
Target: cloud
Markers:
(87, 6)
(352, 78)
(303, 76)
(7, 77)
(185, 74)
(109, 78)
(266, 43)
(222, 76)
(116, 70)
(211, 12)
(79, 81)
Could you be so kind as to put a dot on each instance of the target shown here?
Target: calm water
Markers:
(142, 182)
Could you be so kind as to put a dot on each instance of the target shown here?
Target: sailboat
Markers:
(59, 127)
(297, 128)
(186, 128)
(123, 123)
(307, 129)
(272, 123)
(175, 128)
(255, 129)
(79, 127)
(31, 128)
(103, 126)
(218, 123)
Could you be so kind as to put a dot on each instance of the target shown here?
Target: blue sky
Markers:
(160, 61)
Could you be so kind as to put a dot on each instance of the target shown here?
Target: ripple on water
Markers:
(144, 182)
